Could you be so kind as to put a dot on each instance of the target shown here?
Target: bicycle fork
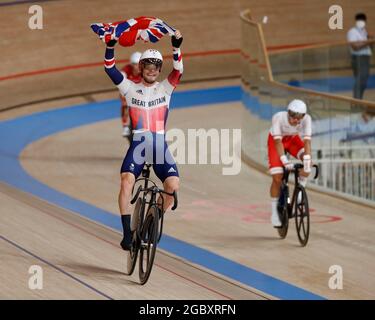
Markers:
(286, 198)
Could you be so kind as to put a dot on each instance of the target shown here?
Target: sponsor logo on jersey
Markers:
(157, 101)
(151, 103)
(171, 170)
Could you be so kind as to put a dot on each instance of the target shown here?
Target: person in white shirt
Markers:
(360, 50)
(285, 136)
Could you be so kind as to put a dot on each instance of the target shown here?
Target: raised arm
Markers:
(178, 68)
(116, 76)
(110, 65)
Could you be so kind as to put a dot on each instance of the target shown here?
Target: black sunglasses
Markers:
(295, 115)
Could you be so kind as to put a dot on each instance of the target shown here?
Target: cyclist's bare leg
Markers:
(127, 183)
(170, 185)
(306, 151)
(275, 192)
(302, 178)
(276, 184)
(125, 116)
(124, 111)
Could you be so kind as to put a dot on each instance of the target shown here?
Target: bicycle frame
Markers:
(154, 190)
(292, 199)
(289, 208)
(296, 169)
(154, 219)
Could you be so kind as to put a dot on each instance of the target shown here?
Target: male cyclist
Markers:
(284, 136)
(148, 103)
(132, 72)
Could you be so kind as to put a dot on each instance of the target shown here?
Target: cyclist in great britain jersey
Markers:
(148, 103)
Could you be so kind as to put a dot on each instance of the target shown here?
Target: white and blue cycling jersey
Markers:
(148, 111)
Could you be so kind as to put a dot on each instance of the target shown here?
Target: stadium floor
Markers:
(222, 221)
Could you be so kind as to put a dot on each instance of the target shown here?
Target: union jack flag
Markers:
(127, 32)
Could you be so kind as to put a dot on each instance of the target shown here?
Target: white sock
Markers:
(302, 181)
(274, 202)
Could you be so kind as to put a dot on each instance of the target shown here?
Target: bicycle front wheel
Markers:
(149, 241)
(302, 215)
(133, 252)
(282, 208)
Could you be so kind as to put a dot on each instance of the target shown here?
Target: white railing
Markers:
(344, 152)
(345, 170)
(353, 177)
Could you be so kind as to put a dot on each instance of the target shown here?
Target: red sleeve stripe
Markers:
(109, 62)
(174, 77)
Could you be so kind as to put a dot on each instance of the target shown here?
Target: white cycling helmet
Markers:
(152, 56)
(135, 57)
(297, 106)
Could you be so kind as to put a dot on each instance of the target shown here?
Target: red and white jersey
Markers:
(282, 128)
(149, 106)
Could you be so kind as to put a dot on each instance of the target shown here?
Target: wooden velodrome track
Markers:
(226, 216)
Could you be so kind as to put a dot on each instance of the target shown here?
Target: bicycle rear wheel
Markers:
(282, 208)
(133, 252)
(302, 216)
(149, 241)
